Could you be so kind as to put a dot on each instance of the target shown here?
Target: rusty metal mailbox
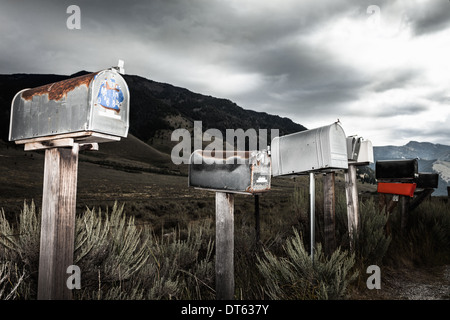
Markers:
(246, 172)
(319, 149)
(96, 102)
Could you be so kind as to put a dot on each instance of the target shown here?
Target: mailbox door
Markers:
(110, 101)
(353, 148)
(404, 189)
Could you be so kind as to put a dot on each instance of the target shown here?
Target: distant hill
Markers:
(157, 109)
(431, 158)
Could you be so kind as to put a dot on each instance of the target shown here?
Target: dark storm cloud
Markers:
(264, 55)
(439, 132)
(394, 79)
(398, 110)
(429, 17)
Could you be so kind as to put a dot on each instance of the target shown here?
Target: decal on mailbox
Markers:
(110, 95)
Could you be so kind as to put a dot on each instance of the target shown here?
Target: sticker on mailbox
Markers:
(110, 95)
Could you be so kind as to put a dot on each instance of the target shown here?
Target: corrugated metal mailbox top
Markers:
(323, 148)
(96, 102)
(246, 172)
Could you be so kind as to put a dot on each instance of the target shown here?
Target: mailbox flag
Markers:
(403, 189)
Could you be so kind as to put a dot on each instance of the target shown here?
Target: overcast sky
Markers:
(380, 67)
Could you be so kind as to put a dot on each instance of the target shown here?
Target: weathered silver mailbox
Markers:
(246, 172)
(95, 105)
(319, 149)
(359, 151)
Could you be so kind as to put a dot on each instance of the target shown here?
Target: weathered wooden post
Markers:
(58, 222)
(61, 118)
(224, 246)
(360, 153)
(312, 213)
(227, 173)
(351, 193)
(329, 211)
(257, 222)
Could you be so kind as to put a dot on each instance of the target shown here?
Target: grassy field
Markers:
(176, 223)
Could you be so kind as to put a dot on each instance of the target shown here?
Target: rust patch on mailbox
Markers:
(56, 91)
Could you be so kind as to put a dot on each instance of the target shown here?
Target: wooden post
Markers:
(351, 193)
(58, 222)
(312, 210)
(257, 222)
(224, 246)
(421, 196)
(329, 213)
(404, 213)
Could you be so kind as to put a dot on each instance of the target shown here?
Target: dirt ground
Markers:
(423, 283)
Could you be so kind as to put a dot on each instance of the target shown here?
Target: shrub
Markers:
(296, 276)
(10, 280)
(19, 250)
(426, 238)
(117, 258)
(371, 242)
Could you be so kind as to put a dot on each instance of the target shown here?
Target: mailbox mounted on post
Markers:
(359, 151)
(404, 170)
(427, 180)
(246, 172)
(397, 176)
(319, 149)
(90, 108)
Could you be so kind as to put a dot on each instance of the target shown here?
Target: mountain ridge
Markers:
(155, 105)
(159, 108)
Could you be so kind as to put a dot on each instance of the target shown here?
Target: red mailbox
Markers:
(404, 189)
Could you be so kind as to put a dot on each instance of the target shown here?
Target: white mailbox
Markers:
(320, 149)
(365, 155)
(359, 151)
